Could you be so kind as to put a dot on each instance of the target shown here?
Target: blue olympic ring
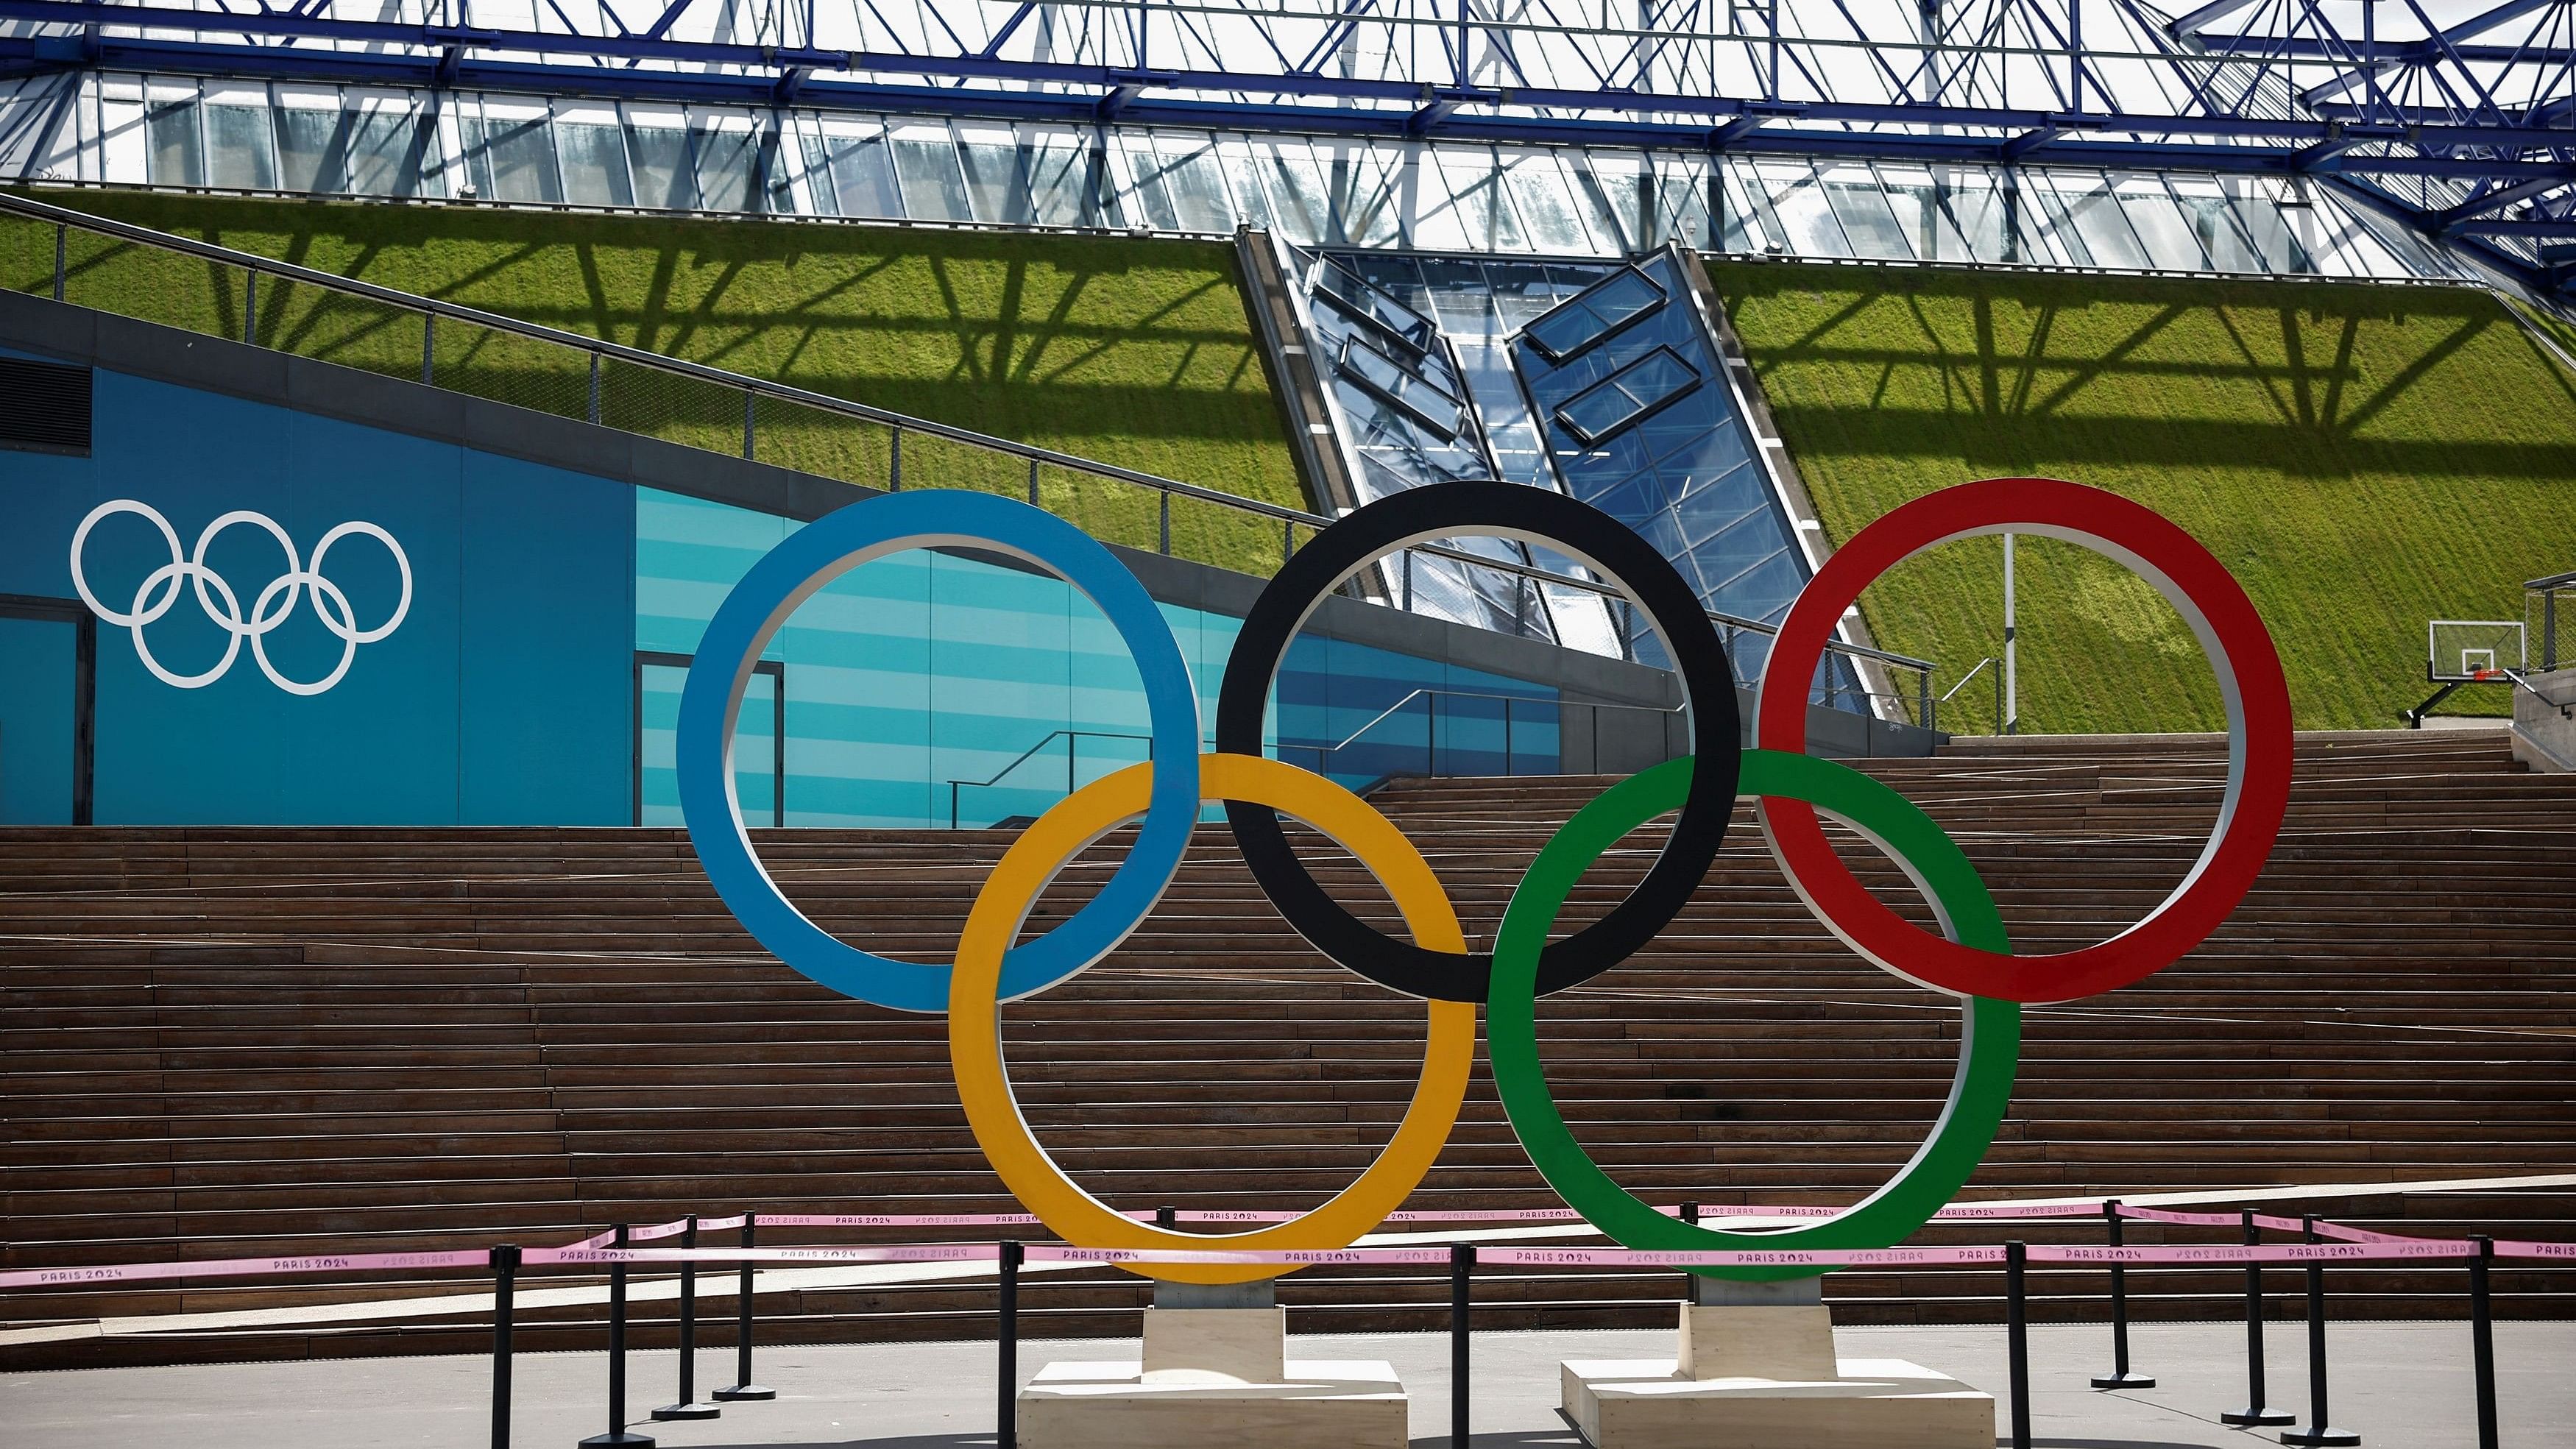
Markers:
(813, 557)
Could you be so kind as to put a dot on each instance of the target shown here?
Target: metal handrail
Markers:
(1973, 671)
(618, 351)
(1426, 693)
(602, 349)
(1071, 749)
(1964, 678)
(2565, 707)
(1431, 721)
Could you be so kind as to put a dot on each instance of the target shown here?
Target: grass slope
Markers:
(1137, 353)
(2364, 458)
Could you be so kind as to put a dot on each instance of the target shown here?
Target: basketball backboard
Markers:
(2472, 651)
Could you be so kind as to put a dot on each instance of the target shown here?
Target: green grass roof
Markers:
(1132, 352)
(2364, 457)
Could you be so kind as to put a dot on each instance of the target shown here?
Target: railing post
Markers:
(1287, 540)
(742, 1388)
(617, 1437)
(594, 387)
(1033, 484)
(1689, 1214)
(1006, 1434)
(686, 1406)
(750, 411)
(1408, 581)
(2319, 1428)
(2017, 1339)
(505, 1275)
(1923, 695)
(428, 348)
(1166, 530)
(2482, 1339)
(250, 306)
(1072, 742)
(62, 234)
(2255, 1411)
(894, 464)
(2119, 1377)
(1462, 1267)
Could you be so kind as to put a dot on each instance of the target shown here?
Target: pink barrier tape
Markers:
(2272, 1223)
(902, 1220)
(247, 1267)
(2227, 1254)
(907, 1253)
(577, 1254)
(1963, 1212)
(2535, 1250)
(2168, 1215)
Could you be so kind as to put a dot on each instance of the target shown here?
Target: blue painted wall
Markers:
(926, 668)
(520, 686)
(36, 719)
(503, 697)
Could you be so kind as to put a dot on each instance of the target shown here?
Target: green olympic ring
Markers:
(1990, 1034)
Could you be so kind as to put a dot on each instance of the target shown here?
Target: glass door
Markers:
(760, 741)
(48, 665)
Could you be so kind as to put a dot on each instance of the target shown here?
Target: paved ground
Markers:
(2402, 1385)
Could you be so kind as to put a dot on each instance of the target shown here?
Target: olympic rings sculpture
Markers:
(1969, 957)
(330, 605)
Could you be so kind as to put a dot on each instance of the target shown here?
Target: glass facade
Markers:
(925, 683)
(1597, 379)
(1315, 192)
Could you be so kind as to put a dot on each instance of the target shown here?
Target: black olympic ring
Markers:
(1592, 537)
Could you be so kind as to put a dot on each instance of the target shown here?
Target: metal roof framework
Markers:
(2457, 120)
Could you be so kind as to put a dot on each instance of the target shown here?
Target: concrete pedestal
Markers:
(1766, 1377)
(1216, 1377)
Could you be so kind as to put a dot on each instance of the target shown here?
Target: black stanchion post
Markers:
(2482, 1339)
(742, 1388)
(2254, 1412)
(2017, 1339)
(505, 1275)
(2119, 1377)
(617, 1436)
(687, 1405)
(1690, 1284)
(1462, 1266)
(1006, 1434)
(2319, 1428)
(1167, 1218)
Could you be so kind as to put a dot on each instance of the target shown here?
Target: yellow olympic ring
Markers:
(975, 1043)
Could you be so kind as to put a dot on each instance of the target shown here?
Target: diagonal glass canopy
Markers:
(2451, 118)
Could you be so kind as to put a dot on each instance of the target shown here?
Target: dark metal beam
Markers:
(1661, 116)
(2209, 14)
(2454, 219)
(2243, 148)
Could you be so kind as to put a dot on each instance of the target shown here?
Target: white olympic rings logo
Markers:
(286, 591)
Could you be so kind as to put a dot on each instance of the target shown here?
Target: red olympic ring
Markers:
(2249, 681)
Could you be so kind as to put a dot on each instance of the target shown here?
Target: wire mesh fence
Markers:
(526, 372)
(215, 291)
(808, 439)
(672, 406)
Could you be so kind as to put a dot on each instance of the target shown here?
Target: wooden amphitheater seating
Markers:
(231, 1041)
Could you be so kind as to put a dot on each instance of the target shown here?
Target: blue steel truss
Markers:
(2457, 120)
